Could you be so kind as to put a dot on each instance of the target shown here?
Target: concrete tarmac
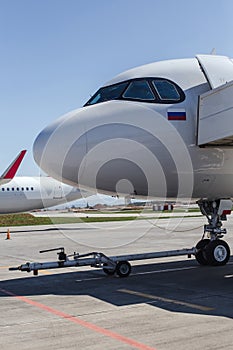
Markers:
(165, 304)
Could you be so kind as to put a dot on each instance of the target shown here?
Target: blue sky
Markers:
(56, 53)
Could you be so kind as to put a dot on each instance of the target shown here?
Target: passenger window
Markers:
(166, 90)
(12, 189)
(139, 90)
(3, 189)
(32, 189)
(22, 188)
(17, 188)
(8, 189)
(27, 189)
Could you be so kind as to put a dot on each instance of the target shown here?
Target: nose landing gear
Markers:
(213, 250)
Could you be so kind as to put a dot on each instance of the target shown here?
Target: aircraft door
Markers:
(217, 69)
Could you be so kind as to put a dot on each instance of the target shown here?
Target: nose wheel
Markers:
(212, 250)
(217, 252)
(214, 253)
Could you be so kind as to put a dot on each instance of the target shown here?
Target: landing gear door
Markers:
(217, 69)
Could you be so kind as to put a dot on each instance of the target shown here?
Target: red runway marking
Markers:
(80, 322)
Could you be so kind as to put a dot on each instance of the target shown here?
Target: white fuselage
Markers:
(129, 146)
(29, 193)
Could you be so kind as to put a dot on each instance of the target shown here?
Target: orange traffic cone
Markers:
(8, 235)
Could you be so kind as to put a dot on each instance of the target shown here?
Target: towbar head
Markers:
(25, 267)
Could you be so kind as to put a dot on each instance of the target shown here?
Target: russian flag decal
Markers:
(176, 114)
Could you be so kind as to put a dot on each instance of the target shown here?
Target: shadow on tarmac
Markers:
(181, 286)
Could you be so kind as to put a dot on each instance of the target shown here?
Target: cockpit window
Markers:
(150, 90)
(139, 90)
(108, 93)
(166, 90)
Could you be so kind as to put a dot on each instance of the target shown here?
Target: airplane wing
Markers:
(10, 172)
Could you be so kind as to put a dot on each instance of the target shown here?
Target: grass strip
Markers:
(30, 220)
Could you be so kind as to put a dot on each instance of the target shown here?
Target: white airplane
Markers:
(161, 130)
(24, 193)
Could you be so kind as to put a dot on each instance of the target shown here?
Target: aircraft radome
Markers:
(160, 130)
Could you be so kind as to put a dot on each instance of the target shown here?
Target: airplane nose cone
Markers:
(57, 141)
(104, 147)
(115, 147)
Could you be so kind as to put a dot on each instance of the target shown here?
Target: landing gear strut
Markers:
(212, 250)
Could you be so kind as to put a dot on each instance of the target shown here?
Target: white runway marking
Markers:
(165, 270)
(90, 279)
(140, 273)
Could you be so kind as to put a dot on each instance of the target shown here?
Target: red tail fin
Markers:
(10, 172)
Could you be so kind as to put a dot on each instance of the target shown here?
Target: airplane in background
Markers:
(160, 130)
(24, 193)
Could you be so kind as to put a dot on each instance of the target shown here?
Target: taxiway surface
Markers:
(165, 304)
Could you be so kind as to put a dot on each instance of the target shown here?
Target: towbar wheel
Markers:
(123, 268)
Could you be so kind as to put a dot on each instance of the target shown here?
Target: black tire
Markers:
(217, 252)
(201, 255)
(123, 268)
(109, 272)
